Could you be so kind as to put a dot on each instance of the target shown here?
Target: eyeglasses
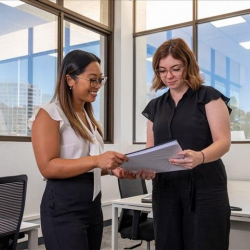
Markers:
(176, 70)
(95, 82)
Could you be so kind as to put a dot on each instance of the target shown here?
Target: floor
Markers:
(106, 242)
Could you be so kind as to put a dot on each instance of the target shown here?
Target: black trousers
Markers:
(191, 209)
(70, 220)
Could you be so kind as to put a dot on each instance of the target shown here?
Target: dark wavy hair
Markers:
(179, 51)
(74, 63)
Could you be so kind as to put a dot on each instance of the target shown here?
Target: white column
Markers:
(141, 87)
(123, 73)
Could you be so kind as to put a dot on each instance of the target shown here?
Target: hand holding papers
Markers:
(155, 158)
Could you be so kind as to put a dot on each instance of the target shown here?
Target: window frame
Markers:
(64, 14)
(194, 23)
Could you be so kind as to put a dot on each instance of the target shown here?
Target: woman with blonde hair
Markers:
(190, 208)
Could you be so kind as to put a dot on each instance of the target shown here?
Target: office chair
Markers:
(12, 201)
(134, 224)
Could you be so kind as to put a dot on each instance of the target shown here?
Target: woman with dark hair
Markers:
(68, 146)
(190, 208)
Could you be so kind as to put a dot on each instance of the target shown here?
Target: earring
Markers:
(70, 87)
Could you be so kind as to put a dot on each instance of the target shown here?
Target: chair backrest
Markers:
(12, 202)
(129, 188)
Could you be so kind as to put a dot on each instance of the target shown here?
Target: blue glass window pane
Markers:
(225, 65)
(28, 64)
(145, 49)
(77, 37)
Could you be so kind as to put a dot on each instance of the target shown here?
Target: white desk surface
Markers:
(27, 226)
(238, 191)
(133, 201)
(32, 230)
(239, 196)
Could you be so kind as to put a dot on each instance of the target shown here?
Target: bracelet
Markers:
(203, 157)
(110, 172)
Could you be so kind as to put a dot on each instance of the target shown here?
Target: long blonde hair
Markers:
(179, 51)
(74, 63)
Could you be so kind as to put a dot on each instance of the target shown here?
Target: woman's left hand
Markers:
(187, 159)
(123, 174)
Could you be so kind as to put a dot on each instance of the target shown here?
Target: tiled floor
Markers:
(106, 242)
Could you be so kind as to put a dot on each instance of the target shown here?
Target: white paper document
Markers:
(155, 158)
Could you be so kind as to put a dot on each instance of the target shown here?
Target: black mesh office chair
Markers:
(134, 224)
(12, 201)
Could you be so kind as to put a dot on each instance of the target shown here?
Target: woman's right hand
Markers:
(110, 160)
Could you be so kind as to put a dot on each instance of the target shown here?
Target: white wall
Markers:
(18, 158)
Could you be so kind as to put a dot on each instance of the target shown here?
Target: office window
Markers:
(157, 14)
(28, 64)
(31, 50)
(208, 8)
(222, 48)
(145, 47)
(97, 10)
(228, 67)
(77, 37)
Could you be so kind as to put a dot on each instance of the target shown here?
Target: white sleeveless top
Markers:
(72, 146)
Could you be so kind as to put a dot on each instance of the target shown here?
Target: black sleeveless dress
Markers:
(190, 208)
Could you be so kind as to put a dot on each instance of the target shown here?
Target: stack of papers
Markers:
(155, 158)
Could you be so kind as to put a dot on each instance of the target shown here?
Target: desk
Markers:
(129, 203)
(239, 195)
(32, 230)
